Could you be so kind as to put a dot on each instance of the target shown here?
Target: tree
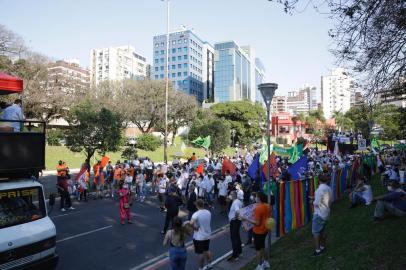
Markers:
(218, 129)
(343, 122)
(11, 44)
(148, 142)
(129, 153)
(370, 37)
(182, 109)
(388, 117)
(244, 117)
(92, 129)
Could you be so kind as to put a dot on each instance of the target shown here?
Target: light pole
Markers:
(166, 85)
(267, 91)
(233, 134)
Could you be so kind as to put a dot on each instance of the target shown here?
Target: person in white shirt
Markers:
(162, 185)
(322, 202)
(223, 188)
(235, 225)
(200, 221)
(240, 192)
(14, 112)
(362, 194)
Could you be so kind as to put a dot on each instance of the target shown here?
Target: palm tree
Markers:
(342, 122)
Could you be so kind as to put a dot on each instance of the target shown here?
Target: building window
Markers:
(179, 41)
(156, 52)
(185, 57)
(156, 77)
(179, 74)
(179, 50)
(185, 40)
(173, 58)
(162, 44)
(185, 49)
(161, 76)
(162, 52)
(179, 57)
(185, 73)
(173, 66)
(173, 75)
(173, 42)
(185, 65)
(156, 68)
(173, 50)
(162, 67)
(156, 61)
(179, 65)
(156, 44)
(162, 60)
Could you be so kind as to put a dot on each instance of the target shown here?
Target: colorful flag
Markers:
(299, 168)
(274, 167)
(228, 166)
(254, 167)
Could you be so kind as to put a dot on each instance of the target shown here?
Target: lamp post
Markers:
(267, 91)
(132, 142)
(233, 134)
(166, 85)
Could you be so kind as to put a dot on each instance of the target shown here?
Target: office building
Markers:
(116, 64)
(278, 104)
(336, 92)
(302, 101)
(189, 60)
(236, 73)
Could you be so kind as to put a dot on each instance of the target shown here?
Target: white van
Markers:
(27, 234)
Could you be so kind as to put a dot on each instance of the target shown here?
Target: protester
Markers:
(176, 239)
(201, 237)
(172, 203)
(162, 185)
(235, 225)
(14, 112)
(62, 185)
(191, 201)
(393, 202)
(322, 202)
(123, 195)
(362, 194)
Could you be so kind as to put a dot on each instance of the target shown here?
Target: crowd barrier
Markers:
(293, 208)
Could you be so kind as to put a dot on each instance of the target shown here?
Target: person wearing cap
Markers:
(393, 202)
(172, 203)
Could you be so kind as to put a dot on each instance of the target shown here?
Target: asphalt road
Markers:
(91, 236)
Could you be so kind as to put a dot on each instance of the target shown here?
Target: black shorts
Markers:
(222, 200)
(259, 241)
(201, 246)
(161, 197)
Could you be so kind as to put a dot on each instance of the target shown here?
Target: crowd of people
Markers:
(195, 186)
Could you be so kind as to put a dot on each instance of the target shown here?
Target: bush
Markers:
(148, 142)
(54, 136)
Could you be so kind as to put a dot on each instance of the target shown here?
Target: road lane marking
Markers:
(82, 234)
(161, 259)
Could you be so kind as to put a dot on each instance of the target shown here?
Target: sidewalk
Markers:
(248, 254)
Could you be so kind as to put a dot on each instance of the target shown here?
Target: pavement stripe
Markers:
(82, 234)
(161, 259)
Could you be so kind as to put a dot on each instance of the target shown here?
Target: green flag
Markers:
(263, 156)
(374, 143)
(202, 142)
(295, 153)
(206, 142)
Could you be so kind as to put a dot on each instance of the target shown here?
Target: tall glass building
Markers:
(190, 61)
(235, 73)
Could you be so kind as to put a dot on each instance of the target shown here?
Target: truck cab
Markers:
(27, 234)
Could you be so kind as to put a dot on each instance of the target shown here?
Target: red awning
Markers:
(10, 84)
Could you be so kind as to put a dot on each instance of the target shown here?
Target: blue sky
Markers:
(293, 48)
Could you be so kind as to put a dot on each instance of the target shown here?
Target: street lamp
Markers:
(166, 85)
(267, 91)
(233, 134)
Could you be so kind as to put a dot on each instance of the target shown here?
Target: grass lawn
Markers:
(74, 160)
(354, 242)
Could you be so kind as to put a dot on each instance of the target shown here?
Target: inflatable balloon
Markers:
(270, 224)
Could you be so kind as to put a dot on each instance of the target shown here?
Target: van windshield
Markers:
(18, 206)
